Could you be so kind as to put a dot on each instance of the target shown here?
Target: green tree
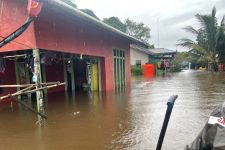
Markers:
(178, 60)
(221, 42)
(151, 46)
(69, 2)
(209, 39)
(116, 23)
(89, 12)
(137, 30)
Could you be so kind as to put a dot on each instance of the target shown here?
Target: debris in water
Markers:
(76, 113)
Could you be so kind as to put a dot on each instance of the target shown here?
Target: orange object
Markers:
(148, 70)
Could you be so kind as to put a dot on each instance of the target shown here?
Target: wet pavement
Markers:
(126, 120)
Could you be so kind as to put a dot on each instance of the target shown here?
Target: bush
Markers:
(136, 70)
(160, 72)
(175, 68)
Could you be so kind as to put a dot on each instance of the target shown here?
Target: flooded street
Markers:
(131, 120)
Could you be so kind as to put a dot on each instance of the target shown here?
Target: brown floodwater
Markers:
(125, 120)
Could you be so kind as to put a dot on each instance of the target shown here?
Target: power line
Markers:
(17, 42)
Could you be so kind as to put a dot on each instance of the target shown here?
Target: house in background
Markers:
(142, 55)
(161, 53)
(139, 55)
(160, 57)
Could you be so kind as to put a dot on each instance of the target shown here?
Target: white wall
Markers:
(138, 55)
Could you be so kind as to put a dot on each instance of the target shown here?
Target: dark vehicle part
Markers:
(170, 104)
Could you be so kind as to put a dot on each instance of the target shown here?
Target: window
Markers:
(138, 62)
(119, 67)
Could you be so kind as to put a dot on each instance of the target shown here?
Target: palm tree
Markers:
(209, 39)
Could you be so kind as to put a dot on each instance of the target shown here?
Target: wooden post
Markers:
(119, 71)
(91, 71)
(44, 80)
(99, 75)
(73, 74)
(17, 77)
(28, 82)
(65, 72)
(37, 79)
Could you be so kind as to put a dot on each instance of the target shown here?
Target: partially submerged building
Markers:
(74, 47)
(162, 53)
(160, 57)
(139, 55)
(142, 55)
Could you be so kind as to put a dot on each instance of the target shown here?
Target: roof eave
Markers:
(95, 21)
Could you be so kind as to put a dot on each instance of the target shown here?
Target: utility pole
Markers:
(158, 30)
(38, 80)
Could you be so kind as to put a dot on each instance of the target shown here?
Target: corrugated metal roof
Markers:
(155, 51)
(139, 48)
(88, 18)
(159, 51)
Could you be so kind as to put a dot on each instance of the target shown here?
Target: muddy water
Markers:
(131, 120)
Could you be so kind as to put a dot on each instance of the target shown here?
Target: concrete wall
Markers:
(138, 55)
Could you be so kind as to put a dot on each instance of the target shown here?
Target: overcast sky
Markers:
(166, 18)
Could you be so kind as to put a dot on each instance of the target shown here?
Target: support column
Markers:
(28, 81)
(99, 75)
(38, 79)
(44, 80)
(91, 71)
(72, 74)
(17, 77)
(65, 72)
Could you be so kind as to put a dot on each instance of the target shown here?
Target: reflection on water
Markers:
(127, 120)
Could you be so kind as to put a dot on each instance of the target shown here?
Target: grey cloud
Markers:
(170, 23)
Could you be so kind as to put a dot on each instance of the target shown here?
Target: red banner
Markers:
(34, 7)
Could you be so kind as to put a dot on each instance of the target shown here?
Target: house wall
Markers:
(12, 15)
(63, 32)
(8, 76)
(55, 75)
(138, 55)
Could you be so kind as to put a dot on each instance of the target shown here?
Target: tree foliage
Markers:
(209, 45)
(137, 30)
(69, 2)
(151, 46)
(116, 23)
(180, 57)
(89, 12)
(178, 60)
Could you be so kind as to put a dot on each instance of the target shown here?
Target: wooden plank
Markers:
(13, 56)
(26, 85)
(27, 91)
